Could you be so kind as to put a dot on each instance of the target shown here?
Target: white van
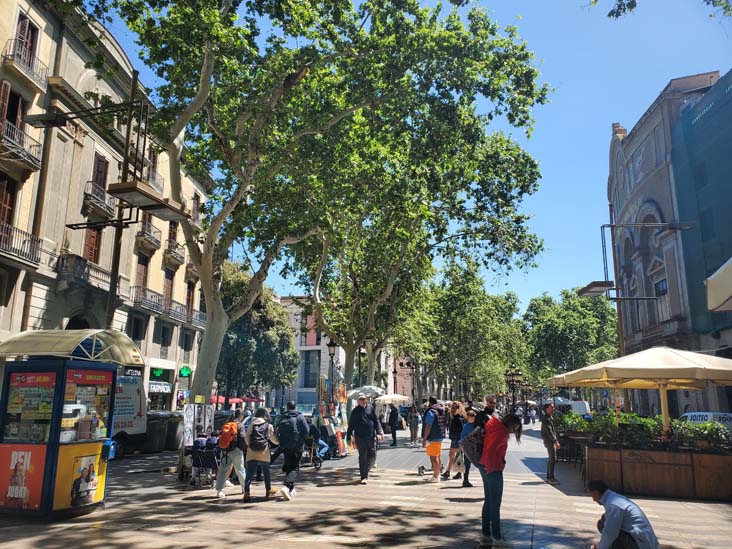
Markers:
(579, 407)
(701, 417)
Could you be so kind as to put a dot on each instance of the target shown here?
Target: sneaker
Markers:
(228, 484)
(446, 475)
(285, 491)
(432, 479)
(364, 481)
(246, 498)
(501, 542)
(467, 484)
(552, 481)
(457, 476)
(486, 541)
(293, 492)
(221, 494)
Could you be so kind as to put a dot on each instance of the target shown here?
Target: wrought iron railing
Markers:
(149, 232)
(19, 243)
(175, 250)
(155, 180)
(100, 197)
(176, 310)
(17, 51)
(198, 319)
(20, 142)
(80, 269)
(145, 297)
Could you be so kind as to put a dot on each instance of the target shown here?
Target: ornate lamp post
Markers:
(332, 346)
(514, 378)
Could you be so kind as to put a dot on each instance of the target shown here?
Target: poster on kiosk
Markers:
(55, 419)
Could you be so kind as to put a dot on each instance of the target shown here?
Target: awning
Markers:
(719, 288)
(99, 345)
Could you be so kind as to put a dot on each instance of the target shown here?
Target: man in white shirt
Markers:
(624, 525)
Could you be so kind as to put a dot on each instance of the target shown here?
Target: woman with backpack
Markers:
(457, 418)
(259, 436)
(493, 461)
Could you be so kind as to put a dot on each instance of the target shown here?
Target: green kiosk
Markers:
(55, 418)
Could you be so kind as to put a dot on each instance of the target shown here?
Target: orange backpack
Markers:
(227, 437)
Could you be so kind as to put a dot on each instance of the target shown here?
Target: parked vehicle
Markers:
(130, 414)
(579, 407)
(702, 417)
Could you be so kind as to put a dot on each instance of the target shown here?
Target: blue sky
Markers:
(602, 71)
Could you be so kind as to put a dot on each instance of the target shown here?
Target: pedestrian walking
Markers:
(394, 421)
(413, 420)
(433, 431)
(623, 525)
(233, 445)
(365, 429)
(318, 442)
(532, 415)
(487, 412)
(549, 437)
(291, 432)
(259, 436)
(468, 427)
(457, 419)
(276, 422)
(493, 461)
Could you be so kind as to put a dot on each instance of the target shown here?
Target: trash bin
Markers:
(157, 430)
(174, 433)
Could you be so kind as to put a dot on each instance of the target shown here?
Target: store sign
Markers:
(185, 371)
(135, 372)
(160, 387)
(89, 377)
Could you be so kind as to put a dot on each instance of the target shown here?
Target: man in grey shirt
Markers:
(549, 437)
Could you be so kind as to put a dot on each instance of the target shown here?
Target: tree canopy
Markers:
(623, 7)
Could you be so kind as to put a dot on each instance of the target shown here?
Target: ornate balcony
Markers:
(18, 147)
(19, 57)
(198, 319)
(176, 310)
(98, 202)
(174, 254)
(74, 270)
(19, 245)
(144, 298)
(148, 236)
(191, 272)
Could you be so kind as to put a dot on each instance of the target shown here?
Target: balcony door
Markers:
(168, 288)
(190, 296)
(27, 36)
(92, 243)
(7, 210)
(143, 262)
(99, 173)
(11, 109)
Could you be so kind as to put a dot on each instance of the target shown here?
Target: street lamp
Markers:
(514, 378)
(395, 372)
(332, 346)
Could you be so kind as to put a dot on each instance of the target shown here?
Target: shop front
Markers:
(161, 381)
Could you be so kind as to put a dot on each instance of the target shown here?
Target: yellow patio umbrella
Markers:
(659, 368)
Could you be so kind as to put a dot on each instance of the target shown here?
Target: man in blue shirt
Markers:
(624, 525)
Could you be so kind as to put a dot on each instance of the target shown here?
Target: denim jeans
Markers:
(233, 458)
(252, 467)
(323, 448)
(493, 491)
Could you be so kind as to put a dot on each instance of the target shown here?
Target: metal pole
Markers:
(119, 227)
(619, 303)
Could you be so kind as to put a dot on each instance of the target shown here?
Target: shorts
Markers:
(454, 444)
(434, 448)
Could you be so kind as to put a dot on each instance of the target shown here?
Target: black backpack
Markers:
(288, 433)
(259, 437)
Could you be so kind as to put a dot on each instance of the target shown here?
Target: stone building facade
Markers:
(54, 277)
(642, 191)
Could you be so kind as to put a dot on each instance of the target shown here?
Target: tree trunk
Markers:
(349, 365)
(208, 355)
(371, 362)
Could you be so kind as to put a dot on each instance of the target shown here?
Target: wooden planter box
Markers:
(662, 474)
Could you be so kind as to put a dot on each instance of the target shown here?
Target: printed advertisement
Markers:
(130, 410)
(81, 476)
(21, 476)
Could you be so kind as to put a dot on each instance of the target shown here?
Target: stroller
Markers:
(205, 459)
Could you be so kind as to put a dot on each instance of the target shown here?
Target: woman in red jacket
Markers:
(492, 462)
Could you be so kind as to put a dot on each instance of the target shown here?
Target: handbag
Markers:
(472, 446)
(459, 464)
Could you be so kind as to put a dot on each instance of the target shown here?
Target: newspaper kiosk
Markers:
(55, 419)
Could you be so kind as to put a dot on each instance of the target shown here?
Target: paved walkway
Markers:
(149, 509)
